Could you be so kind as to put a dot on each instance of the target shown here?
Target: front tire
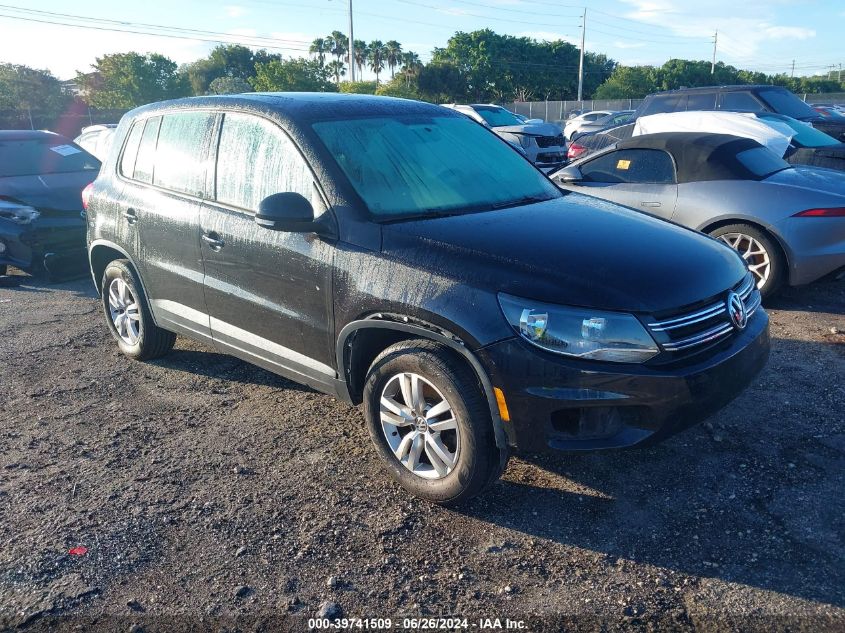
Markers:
(762, 254)
(128, 314)
(430, 422)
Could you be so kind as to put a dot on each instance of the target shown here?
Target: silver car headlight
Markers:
(580, 332)
(19, 214)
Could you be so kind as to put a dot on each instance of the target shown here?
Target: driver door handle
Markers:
(650, 204)
(130, 215)
(213, 240)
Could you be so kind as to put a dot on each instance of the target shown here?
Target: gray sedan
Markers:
(787, 222)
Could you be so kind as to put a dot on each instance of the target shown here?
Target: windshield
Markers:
(784, 102)
(805, 135)
(761, 162)
(31, 157)
(496, 116)
(411, 166)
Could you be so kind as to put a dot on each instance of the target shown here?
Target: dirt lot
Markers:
(205, 489)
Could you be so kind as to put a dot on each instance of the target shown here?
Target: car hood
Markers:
(48, 192)
(532, 129)
(573, 250)
(813, 179)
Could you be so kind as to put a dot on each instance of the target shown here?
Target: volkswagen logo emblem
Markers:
(736, 311)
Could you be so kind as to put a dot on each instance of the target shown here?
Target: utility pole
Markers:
(715, 43)
(581, 63)
(792, 74)
(351, 46)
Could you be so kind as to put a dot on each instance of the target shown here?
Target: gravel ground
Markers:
(212, 494)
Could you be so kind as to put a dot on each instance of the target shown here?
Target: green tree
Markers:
(398, 87)
(411, 66)
(319, 48)
(393, 56)
(338, 45)
(292, 75)
(25, 90)
(358, 87)
(628, 82)
(225, 60)
(376, 57)
(337, 69)
(127, 80)
(361, 55)
(441, 82)
(229, 86)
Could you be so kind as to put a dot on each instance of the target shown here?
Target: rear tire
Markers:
(128, 315)
(761, 252)
(441, 445)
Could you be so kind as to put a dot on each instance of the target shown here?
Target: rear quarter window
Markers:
(145, 162)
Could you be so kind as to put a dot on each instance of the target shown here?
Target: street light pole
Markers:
(715, 43)
(581, 63)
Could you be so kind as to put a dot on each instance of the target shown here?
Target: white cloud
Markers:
(235, 11)
(545, 36)
(789, 32)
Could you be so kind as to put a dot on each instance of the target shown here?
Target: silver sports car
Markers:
(788, 222)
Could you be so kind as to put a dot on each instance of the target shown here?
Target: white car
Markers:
(96, 139)
(574, 125)
(542, 143)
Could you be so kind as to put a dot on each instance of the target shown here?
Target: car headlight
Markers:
(524, 140)
(19, 214)
(579, 332)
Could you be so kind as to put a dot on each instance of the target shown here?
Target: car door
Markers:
(268, 292)
(643, 179)
(165, 182)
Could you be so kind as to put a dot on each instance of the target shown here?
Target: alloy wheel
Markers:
(124, 311)
(753, 252)
(419, 426)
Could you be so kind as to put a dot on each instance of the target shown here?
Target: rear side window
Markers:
(130, 151)
(650, 166)
(145, 162)
(180, 154)
(701, 101)
(665, 103)
(256, 159)
(739, 101)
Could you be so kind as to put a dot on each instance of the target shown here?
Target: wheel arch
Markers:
(361, 341)
(784, 250)
(100, 254)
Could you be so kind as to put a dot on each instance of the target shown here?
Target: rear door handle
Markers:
(130, 215)
(213, 240)
(651, 204)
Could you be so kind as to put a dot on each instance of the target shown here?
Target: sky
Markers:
(764, 35)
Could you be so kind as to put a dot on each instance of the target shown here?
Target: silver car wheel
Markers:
(419, 426)
(124, 311)
(753, 252)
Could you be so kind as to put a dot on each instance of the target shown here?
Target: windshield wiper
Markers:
(519, 202)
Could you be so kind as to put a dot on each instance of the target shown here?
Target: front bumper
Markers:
(557, 403)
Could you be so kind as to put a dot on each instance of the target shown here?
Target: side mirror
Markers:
(287, 211)
(568, 176)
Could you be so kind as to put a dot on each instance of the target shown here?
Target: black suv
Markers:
(396, 253)
(741, 98)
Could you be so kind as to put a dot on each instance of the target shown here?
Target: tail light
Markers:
(86, 195)
(832, 212)
(575, 150)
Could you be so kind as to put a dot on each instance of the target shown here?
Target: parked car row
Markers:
(402, 256)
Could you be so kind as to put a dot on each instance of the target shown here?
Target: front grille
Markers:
(702, 326)
(550, 141)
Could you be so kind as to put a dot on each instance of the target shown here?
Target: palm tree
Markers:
(411, 65)
(392, 54)
(339, 44)
(319, 49)
(336, 68)
(376, 57)
(361, 55)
